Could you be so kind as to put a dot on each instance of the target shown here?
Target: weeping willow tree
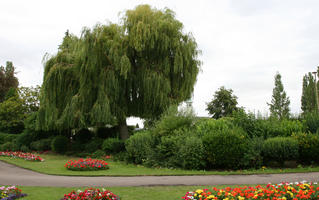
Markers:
(136, 68)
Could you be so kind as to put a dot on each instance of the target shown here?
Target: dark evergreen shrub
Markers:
(60, 144)
(83, 136)
(113, 145)
(94, 145)
(98, 154)
(41, 145)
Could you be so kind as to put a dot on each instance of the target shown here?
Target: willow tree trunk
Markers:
(123, 130)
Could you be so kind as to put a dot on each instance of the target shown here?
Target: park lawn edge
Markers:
(190, 172)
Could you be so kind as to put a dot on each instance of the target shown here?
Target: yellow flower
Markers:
(241, 198)
(199, 191)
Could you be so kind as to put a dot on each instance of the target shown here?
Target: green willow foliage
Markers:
(136, 68)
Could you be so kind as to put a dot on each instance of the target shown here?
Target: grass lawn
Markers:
(125, 193)
(54, 165)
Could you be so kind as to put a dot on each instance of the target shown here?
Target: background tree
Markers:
(308, 98)
(137, 68)
(223, 104)
(279, 106)
(7, 79)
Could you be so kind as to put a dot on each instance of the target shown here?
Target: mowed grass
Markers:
(54, 165)
(125, 193)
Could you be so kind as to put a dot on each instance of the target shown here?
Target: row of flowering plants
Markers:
(283, 191)
(91, 194)
(19, 154)
(10, 193)
(87, 164)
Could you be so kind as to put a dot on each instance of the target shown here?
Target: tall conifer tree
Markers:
(279, 106)
(137, 68)
(308, 98)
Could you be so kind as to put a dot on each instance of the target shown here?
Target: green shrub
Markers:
(308, 147)
(4, 138)
(225, 148)
(41, 145)
(60, 144)
(24, 148)
(113, 145)
(191, 153)
(311, 121)
(98, 154)
(280, 149)
(105, 132)
(83, 136)
(253, 156)
(138, 146)
(211, 125)
(77, 147)
(248, 122)
(25, 138)
(8, 146)
(173, 120)
(93, 145)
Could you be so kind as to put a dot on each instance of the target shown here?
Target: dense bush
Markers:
(25, 139)
(280, 149)
(191, 153)
(311, 121)
(4, 137)
(113, 145)
(98, 154)
(83, 136)
(138, 146)
(173, 120)
(41, 145)
(248, 122)
(308, 147)
(8, 146)
(205, 126)
(59, 144)
(225, 148)
(93, 145)
(253, 157)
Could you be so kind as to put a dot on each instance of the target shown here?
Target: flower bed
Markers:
(91, 193)
(284, 191)
(86, 164)
(10, 193)
(19, 154)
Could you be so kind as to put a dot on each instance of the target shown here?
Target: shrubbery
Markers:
(113, 145)
(280, 149)
(60, 144)
(225, 148)
(308, 147)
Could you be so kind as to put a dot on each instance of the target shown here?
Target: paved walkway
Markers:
(13, 175)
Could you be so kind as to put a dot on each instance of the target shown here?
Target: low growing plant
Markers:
(19, 154)
(10, 193)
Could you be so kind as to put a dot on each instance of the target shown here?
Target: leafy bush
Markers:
(24, 138)
(113, 145)
(225, 148)
(173, 120)
(94, 145)
(253, 157)
(25, 149)
(138, 146)
(311, 121)
(4, 137)
(41, 145)
(77, 147)
(191, 154)
(83, 136)
(8, 146)
(280, 149)
(308, 147)
(59, 144)
(210, 125)
(98, 154)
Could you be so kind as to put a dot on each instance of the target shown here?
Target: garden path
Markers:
(13, 175)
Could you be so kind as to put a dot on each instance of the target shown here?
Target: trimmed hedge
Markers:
(60, 144)
(308, 147)
(280, 149)
(113, 145)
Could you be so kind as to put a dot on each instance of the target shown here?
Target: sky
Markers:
(243, 42)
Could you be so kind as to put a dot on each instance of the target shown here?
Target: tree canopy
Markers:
(7, 79)
(279, 106)
(136, 68)
(223, 104)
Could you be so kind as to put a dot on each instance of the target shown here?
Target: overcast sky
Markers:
(243, 42)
